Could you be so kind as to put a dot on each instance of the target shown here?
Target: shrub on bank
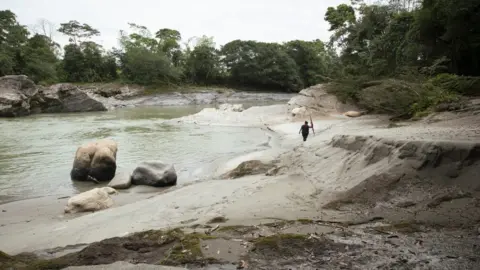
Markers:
(464, 85)
(399, 98)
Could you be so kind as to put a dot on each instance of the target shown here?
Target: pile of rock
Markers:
(96, 161)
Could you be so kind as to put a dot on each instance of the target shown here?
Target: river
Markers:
(36, 152)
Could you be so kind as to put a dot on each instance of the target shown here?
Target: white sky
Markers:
(225, 20)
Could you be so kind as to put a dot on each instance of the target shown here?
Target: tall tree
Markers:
(13, 37)
(77, 31)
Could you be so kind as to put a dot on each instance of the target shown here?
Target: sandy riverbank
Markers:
(351, 171)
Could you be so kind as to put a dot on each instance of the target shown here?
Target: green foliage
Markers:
(144, 67)
(427, 45)
(463, 85)
(13, 37)
(430, 47)
(203, 65)
(77, 31)
(262, 65)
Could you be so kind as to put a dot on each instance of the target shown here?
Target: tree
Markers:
(13, 37)
(309, 57)
(203, 63)
(262, 65)
(143, 61)
(77, 31)
(40, 59)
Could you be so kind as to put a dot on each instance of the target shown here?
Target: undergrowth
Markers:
(403, 98)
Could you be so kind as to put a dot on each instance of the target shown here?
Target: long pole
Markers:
(311, 123)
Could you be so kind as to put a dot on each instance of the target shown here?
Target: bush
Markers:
(463, 85)
(398, 98)
(394, 97)
(432, 96)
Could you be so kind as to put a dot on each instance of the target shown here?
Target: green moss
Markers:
(236, 229)
(160, 236)
(305, 221)
(187, 251)
(53, 264)
(402, 227)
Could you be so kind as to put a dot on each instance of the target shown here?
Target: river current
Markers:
(36, 152)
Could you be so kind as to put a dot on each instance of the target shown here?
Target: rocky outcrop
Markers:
(90, 201)
(155, 174)
(113, 90)
(95, 161)
(19, 96)
(121, 180)
(316, 99)
(15, 95)
(63, 98)
(250, 167)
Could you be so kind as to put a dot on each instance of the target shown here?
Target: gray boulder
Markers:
(19, 96)
(154, 173)
(63, 98)
(15, 94)
(122, 180)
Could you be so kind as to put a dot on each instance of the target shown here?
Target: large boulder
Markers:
(15, 94)
(95, 161)
(154, 173)
(93, 200)
(63, 98)
(19, 96)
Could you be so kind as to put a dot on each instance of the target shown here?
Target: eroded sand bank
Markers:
(350, 170)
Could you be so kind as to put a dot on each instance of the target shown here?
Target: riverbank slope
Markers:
(391, 195)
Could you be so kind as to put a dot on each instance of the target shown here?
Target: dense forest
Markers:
(427, 47)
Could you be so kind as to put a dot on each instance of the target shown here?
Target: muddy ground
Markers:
(301, 244)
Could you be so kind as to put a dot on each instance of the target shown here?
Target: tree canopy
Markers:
(389, 39)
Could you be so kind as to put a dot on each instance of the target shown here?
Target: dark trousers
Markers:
(305, 137)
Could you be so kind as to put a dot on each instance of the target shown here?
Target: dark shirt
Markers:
(305, 129)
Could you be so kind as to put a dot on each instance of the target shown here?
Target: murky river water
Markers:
(36, 153)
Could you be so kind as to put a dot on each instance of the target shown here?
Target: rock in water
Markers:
(92, 200)
(15, 94)
(96, 160)
(63, 98)
(154, 173)
(19, 96)
(121, 180)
